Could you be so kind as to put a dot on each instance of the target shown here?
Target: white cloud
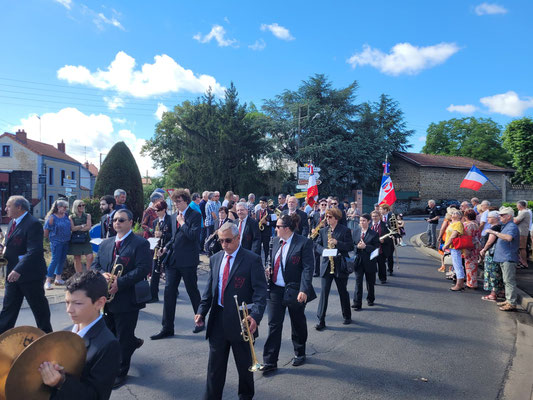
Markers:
(507, 104)
(404, 58)
(422, 138)
(100, 20)
(161, 108)
(464, 109)
(218, 33)
(114, 102)
(119, 120)
(86, 136)
(278, 31)
(489, 9)
(163, 76)
(65, 3)
(258, 45)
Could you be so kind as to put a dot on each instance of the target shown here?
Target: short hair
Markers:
(156, 195)
(282, 195)
(224, 208)
(75, 205)
(385, 206)
(210, 195)
(376, 205)
(290, 221)
(251, 195)
(431, 202)
(109, 199)
(366, 216)
(183, 193)
(474, 200)
(470, 214)
(523, 203)
(456, 212)
(229, 226)
(205, 192)
(263, 198)
(20, 201)
(335, 213)
(125, 211)
(160, 205)
(322, 200)
(485, 203)
(242, 205)
(195, 196)
(91, 282)
(295, 198)
(118, 192)
(375, 213)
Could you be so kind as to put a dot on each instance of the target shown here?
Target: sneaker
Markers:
(48, 285)
(59, 282)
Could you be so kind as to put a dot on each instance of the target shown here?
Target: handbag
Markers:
(78, 237)
(462, 242)
(290, 295)
(142, 292)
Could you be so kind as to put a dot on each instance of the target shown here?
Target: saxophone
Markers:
(316, 230)
(331, 258)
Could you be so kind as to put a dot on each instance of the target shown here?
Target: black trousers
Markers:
(388, 254)
(155, 277)
(369, 272)
(318, 259)
(276, 315)
(123, 327)
(265, 242)
(14, 295)
(173, 278)
(343, 295)
(382, 267)
(217, 366)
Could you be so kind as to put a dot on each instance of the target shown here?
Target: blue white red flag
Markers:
(474, 179)
(386, 192)
(312, 187)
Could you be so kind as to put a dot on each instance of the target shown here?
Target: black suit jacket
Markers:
(344, 245)
(251, 239)
(387, 247)
(24, 250)
(299, 264)
(165, 227)
(184, 248)
(303, 227)
(100, 370)
(315, 219)
(371, 240)
(246, 280)
(134, 255)
(106, 224)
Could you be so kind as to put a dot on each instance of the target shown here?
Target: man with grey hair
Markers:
(120, 199)
(26, 268)
(250, 204)
(484, 219)
(433, 221)
(303, 225)
(523, 220)
(475, 202)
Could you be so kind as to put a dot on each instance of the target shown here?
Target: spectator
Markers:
(232, 214)
(203, 203)
(433, 221)
(120, 199)
(57, 230)
(465, 205)
(523, 221)
(150, 215)
(483, 224)
(80, 245)
(475, 203)
(350, 215)
(442, 240)
(492, 273)
(506, 253)
(251, 205)
(472, 255)
(211, 213)
(227, 198)
(455, 229)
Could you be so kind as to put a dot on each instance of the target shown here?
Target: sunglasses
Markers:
(334, 204)
(329, 216)
(81, 205)
(227, 241)
(121, 220)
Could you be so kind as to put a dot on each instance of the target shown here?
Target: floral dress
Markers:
(472, 255)
(492, 276)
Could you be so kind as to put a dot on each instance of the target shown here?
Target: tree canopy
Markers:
(518, 140)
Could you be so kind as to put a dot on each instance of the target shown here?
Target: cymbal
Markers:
(24, 379)
(12, 343)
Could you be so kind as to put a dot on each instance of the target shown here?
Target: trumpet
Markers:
(116, 272)
(314, 233)
(246, 334)
(393, 227)
(331, 258)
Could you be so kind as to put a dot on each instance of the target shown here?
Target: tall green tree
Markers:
(120, 171)
(478, 138)
(518, 140)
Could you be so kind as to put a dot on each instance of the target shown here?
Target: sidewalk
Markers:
(524, 277)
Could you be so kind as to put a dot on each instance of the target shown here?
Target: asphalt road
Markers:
(420, 341)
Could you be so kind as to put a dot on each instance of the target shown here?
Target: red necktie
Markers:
(13, 226)
(363, 236)
(240, 228)
(278, 263)
(117, 248)
(225, 276)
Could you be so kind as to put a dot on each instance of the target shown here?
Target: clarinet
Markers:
(160, 244)
(269, 264)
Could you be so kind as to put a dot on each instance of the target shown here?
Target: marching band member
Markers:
(264, 214)
(319, 217)
(162, 228)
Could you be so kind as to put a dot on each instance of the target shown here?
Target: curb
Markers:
(524, 299)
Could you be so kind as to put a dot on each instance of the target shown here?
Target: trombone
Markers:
(246, 334)
(116, 272)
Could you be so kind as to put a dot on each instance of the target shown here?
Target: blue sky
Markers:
(97, 73)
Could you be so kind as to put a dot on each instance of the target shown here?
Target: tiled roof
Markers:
(42, 149)
(434, 160)
(92, 168)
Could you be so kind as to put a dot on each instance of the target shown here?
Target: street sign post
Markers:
(70, 183)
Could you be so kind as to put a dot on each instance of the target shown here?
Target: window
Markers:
(50, 201)
(6, 150)
(63, 177)
(50, 177)
(73, 175)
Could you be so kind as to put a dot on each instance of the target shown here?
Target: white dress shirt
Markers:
(221, 271)
(83, 332)
(280, 281)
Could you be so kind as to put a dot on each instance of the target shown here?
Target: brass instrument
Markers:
(392, 227)
(158, 245)
(331, 258)
(246, 334)
(263, 220)
(116, 273)
(314, 233)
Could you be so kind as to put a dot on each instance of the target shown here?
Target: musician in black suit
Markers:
(303, 226)
(234, 271)
(381, 229)
(107, 206)
(26, 268)
(292, 271)
(121, 313)
(266, 215)
(341, 239)
(163, 231)
(85, 296)
(183, 260)
(248, 230)
(282, 203)
(318, 218)
(388, 243)
(366, 241)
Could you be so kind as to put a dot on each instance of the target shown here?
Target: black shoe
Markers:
(320, 326)
(316, 275)
(298, 360)
(119, 381)
(357, 307)
(198, 328)
(138, 343)
(347, 321)
(268, 368)
(161, 335)
(383, 282)
(153, 300)
(390, 273)
(370, 303)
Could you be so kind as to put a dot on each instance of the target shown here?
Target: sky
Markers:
(94, 73)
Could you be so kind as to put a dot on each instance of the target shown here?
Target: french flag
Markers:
(474, 179)
(312, 187)
(386, 191)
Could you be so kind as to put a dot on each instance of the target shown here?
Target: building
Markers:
(40, 172)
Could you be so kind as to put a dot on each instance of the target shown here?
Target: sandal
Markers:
(489, 298)
(442, 268)
(457, 290)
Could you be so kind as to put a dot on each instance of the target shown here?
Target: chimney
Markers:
(21, 136)
(61, 146)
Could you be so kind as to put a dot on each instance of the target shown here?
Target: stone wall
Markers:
(519, 192)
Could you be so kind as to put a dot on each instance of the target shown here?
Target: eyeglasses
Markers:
(178, 201)
(227, 241)
(334, 204)
(121, 220)
(280, 226)
(81, 205)
(329, 216)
